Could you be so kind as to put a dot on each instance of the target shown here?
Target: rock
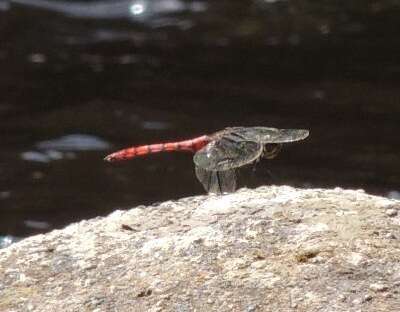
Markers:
(378, 287)
(391, 212)
(268, 249)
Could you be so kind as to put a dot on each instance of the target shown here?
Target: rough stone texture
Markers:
(269, 249)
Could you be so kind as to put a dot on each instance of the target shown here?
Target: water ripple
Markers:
(74, 142)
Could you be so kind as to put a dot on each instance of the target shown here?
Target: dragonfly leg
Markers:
(270, 175)
(271, 150)
(217, 182)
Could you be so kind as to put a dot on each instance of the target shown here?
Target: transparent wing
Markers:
(217, 182)
(227, 153)
(269, 135)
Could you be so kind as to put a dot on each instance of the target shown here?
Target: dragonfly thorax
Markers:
(271, 150)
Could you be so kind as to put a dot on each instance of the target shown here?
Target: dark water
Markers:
(81, 79)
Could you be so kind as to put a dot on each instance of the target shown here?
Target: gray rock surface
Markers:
(269, 249)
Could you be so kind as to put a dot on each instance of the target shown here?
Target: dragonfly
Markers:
(217, 156)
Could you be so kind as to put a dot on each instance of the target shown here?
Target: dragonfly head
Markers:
(271, 150)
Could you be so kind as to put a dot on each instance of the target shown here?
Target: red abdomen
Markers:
(192, 145)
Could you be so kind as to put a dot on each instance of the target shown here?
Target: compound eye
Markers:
(271, 150)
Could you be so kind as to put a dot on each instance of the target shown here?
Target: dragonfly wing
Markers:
(217, 182)
(227, 153)
(269, 135)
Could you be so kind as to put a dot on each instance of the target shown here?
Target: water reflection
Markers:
(4, 5)
(37, 225)
(138, 10)
(156, 125)
(63, 148)
(7, 240)
(93, 9)
(394, 195)
(37, 58)
(5, 194)
(74, 142)
(41, 157)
